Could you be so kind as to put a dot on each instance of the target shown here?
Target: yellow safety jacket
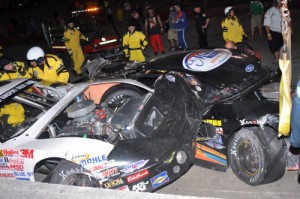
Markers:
(15, 113)
(232, 30)
(20, 72)
(134, 44)
(72, 38)
(52, 70)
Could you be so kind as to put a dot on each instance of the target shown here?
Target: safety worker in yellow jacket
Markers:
(134, 42)
(12, 70)
(46, 66)
(72, 38)
(12, 114)
(231, 27)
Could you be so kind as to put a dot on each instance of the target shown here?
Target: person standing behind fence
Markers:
(181, 26)
(256, 11)
(201, 23)
(154, 29)
(172, 33)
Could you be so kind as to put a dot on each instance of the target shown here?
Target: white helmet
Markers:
(35, 53)
(227, 10)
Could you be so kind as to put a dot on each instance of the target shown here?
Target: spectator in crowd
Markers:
(181, 25)
(272, 23)
(134, 43)
(46, 66)
(120, 13)
(154, 29)
(127, 9)
(231, 27)
(72, 37)
(172, 33)
(201, 23)
(256, 12)
(135, 18)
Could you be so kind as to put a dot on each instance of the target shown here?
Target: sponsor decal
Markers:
(101, 166)
(1, 153)
(249, 68)
(10, 153)
(214, 122)
(7, 175)
(22, 178)
(124, 188)
(108, 173)
(205, 60)
(20, 174)
(246, 122)
(93, 160)
(159, 179)
(4, 167)
(219, 130)
(15, 90)
(23, 153)
(134, 166)
(16, 167)
(142, 186)
(113, 183)
(3, 160)
(215, 145)
(26, 153)
(137, 176)
(18, 161)
(79, 158)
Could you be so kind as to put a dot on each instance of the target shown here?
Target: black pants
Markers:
(202, 37)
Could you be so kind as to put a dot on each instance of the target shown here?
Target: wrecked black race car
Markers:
(240, 125)
(65, 134)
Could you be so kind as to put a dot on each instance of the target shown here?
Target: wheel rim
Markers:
(248, 160)
(118, 101)
(81, 180)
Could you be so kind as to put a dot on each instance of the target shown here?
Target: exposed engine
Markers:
(89, 121)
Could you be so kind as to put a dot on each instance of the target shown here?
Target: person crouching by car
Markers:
(72, 37)
(46, 66)
(134, 43)
(12, 70)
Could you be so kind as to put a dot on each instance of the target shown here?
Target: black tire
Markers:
(116, 97)
(69, 173)
(257, 156)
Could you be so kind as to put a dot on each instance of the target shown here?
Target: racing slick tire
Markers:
(69, 173)
(119, 95)
(257, 156)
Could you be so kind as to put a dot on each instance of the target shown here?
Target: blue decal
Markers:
(160, 179)
(249, 68)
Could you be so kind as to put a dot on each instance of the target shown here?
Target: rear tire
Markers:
(116, 97)
(257, 156)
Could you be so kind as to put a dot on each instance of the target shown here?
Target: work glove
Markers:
(87, 39)
(245, 37)
(70, 52)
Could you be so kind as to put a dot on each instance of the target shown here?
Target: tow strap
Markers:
(285, 65)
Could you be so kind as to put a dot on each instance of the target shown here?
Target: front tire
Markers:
(257, 156)
(69, 173)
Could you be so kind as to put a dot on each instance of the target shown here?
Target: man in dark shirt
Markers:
(201, 23)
